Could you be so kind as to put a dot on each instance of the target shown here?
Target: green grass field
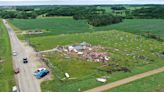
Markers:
(86, 72)
(54, 25)
(154, 83)
(6, 70)
(89, 81)
(138, 53)
(138, 26)
(66, 25)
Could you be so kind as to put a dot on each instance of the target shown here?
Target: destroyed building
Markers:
(85, 51)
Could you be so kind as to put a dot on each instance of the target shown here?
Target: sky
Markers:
(77, 2)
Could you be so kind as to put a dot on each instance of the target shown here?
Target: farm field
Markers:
(138, 26)
(6, 70)
(131, 49)
(152, 83)
(66, 25)
(54, 25)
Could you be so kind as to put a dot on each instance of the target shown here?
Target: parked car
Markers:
(16, 71)
(41, 74)
(15, 89)
(14, 53)
(39, 70)
(25, 60)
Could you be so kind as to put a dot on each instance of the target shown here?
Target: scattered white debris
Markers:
(106, 58)
(85, 51)
(67, 75)
(101, 80)
(1, 61)
(80, 53)
(90, 49)
(75, 50)
(70, 48)
(65, 50)
(116, 49)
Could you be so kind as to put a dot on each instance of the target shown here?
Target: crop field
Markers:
(154, 83)
(138, 26)
(56, 25)
(6, 70)
(133, 51)
(66, 25)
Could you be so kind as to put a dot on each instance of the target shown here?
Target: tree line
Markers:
(156, 12)
(25, 12)
(99, 19)
(18, 15)
(94, 16)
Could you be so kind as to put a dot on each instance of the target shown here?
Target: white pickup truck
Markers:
(15, 89)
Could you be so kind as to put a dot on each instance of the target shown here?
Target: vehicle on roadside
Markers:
(41, 74)
(14, 53)
(39, 70)
(16, 71)
(15, 89)
(25, 60)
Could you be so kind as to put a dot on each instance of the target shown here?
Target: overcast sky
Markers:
(77, 2)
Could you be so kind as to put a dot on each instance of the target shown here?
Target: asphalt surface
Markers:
(26, 81)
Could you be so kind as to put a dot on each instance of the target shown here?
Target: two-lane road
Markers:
(25, 79)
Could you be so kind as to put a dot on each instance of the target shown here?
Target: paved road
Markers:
(126, 80)
(25, 79)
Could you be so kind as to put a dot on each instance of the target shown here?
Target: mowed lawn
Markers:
(136, 52)
(6, 70)
(154, 83)
(66, 25)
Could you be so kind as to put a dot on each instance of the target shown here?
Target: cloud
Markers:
(77, 2)
(22, 0)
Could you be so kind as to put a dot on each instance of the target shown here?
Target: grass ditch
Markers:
(6, 69)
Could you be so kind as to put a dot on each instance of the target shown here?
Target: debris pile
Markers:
(101, 80)
(85, 51)
(1, 60)
(33, 32)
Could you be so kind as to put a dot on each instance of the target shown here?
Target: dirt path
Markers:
(126, 80)
(48, 51)
(25, 79)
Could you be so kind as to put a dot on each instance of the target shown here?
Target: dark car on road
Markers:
(25, 60)
(16, 71)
